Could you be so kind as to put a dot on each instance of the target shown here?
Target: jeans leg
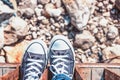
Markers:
(60, 77)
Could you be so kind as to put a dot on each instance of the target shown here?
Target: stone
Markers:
(2, 59)
(84, 40)
(58, 3)
(28, 4)
(10, 38)
(19, 26)
(83, 58)
(52, 11)
(45, 21)
(1, 37)
(100, 4)
(43, 1)
(34, 35)
(100, 36)
(103, 22)
(112, 32)
(38, 11)
(52, 21)
(92, 60)
(33, 28)
(110, 6)
(106, 14)
(14, 53)
(117, 41)
(117, 3)
(112, 1)
(115, 60)
(5, 12)
(28, 13)
(79, 11)
(111, 52)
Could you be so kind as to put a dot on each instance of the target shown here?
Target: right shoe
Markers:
(34, 61)
(62, 58)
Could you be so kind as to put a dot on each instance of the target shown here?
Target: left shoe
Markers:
(34, 61)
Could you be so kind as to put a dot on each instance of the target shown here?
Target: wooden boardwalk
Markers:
(82, 72)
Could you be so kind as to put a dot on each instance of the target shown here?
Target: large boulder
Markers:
(15, 31)
(79, 11)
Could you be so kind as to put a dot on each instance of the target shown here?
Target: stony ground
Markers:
(98, 42)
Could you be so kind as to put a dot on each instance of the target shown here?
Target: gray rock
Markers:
(19, 25)
(84, 40)
(83, 58)
(111, 52)
(52, 21)
(10, 38)
(52, 11)
(38, 10)
(45, 21)
(27, 4)
(117, 3)
(5, 12)
(28, 13)
(79, 11)
(1, 36)
(112, 32)
(112, 1)
(2, 59)
(34, 35)
(103, 22)
(43, 1)
(57, 3)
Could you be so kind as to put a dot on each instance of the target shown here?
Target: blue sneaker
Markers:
(62, 58)
(34, 61)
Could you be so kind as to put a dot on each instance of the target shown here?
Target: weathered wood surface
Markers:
(82, 72)
(97, 74)
(94, 71)
(112, 75)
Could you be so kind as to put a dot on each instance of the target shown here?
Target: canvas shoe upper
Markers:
(61, 54)
(34, 60)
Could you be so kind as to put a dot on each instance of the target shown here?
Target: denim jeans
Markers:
(61, 77)
(7, 2)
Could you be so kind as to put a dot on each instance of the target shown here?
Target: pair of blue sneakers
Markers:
(60, 54)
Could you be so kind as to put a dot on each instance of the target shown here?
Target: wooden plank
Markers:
(6, 70)
(110, 75)
(0, 72)
(97, 74)
(117, 65)
(83, 74)
(3, 65)
(12, 75)
(98, 65)
(116, 70)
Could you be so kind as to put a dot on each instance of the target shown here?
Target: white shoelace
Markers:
(33, 71)
(60, 62)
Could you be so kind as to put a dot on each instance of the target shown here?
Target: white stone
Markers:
(112, 32)
(103, 22)
(2, 59)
